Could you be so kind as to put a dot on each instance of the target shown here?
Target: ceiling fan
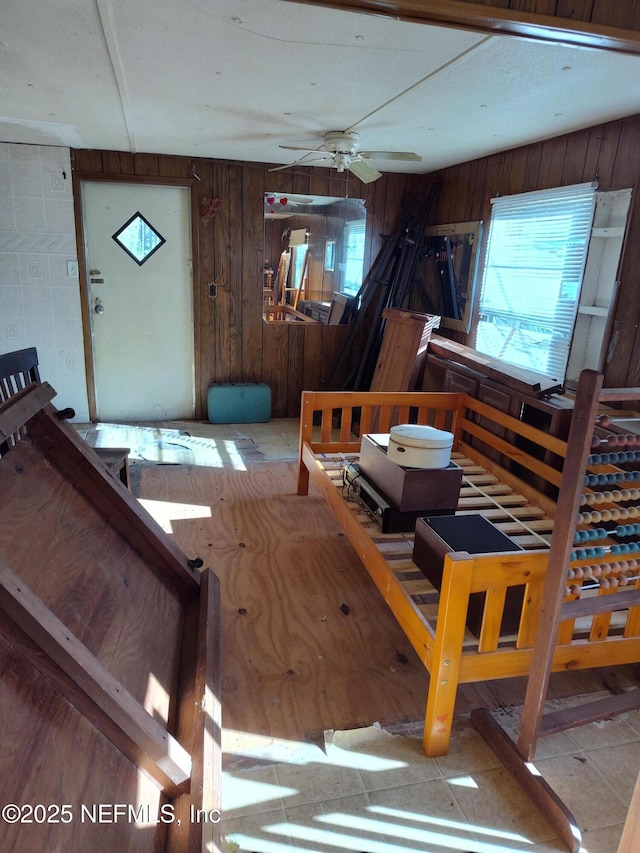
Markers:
(342, 147)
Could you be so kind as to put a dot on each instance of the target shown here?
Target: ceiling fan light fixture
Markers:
(341, 161)
(341, 142)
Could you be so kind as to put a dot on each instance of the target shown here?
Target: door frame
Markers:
(78, 178)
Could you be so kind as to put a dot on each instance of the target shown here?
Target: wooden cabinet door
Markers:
(458, 383)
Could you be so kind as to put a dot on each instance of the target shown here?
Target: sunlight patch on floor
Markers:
(165, 512)
(301, 753)
(459, 837)
(244, 746)
(350, 832)
(248, 793)
(368, 790)
(464, 781)
(397, 814)
(172, 446)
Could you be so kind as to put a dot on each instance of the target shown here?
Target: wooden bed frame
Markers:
(501, 458)
(109, 655)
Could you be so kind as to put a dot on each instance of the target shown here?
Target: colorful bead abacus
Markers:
(602, 543)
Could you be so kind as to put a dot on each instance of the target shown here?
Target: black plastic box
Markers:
(446, 534)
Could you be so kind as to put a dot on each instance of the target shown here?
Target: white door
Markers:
(140, 300)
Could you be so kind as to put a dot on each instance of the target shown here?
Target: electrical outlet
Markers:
(57, 181)
(72, 269)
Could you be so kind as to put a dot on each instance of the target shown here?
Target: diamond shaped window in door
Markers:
(139, 238)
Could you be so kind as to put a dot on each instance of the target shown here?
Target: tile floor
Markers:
(374, 791)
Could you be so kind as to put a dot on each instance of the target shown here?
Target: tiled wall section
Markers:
(39, 291)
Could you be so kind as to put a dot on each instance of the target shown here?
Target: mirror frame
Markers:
(471, 231)
(324, 253)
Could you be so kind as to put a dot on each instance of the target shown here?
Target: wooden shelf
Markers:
(593, 310)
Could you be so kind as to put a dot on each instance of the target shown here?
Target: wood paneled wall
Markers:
(609, 153)
(621, 13)
(599, 24)
(234, 344)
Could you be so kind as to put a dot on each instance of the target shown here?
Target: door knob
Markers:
(99, 307)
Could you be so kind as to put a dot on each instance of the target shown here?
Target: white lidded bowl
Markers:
(415, 446)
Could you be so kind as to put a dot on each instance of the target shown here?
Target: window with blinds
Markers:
(353, 256)
(535, 259)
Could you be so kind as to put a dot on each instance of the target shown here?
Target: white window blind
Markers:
(536, 253)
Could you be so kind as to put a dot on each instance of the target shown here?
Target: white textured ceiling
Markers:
(232, 79)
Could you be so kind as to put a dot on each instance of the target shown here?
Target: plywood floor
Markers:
(308, 643)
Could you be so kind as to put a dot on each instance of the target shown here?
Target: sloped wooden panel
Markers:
(108, 650)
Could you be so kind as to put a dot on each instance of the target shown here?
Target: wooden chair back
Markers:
(17, 370)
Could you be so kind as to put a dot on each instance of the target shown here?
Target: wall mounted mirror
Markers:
(448, 272)
(314, 250)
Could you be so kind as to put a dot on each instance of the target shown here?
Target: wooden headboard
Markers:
(109, 650)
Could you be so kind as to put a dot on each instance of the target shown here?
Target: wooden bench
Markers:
(501, 458)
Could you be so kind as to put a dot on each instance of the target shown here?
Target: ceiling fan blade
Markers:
(391, 155)
(281, 168)
(305, 159)
(298, 148)
(364, 171)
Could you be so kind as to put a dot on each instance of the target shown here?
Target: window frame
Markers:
(359, 227)
(559, 266)
(123, 228)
